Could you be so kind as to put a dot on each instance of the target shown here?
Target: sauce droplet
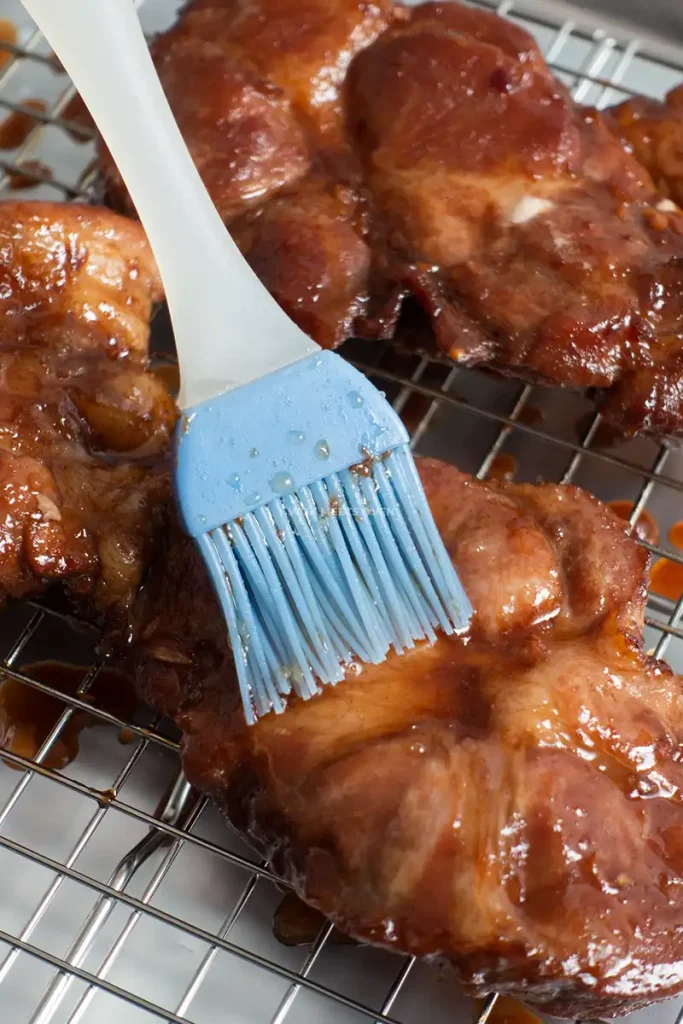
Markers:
(666, 576)
(296, 436)
(355, 399)
(27, 716)
(676, 535)
(281, 482)
(503, 467)
(322, 449)
(18, 125)
(507, 1011)
(235, 482)
(8, 34)
(253, 453)
(646, 527)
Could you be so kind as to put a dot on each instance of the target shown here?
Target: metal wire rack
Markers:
(122, 895)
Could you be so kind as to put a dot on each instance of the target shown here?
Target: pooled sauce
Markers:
(503, 467)
(646, 527)
(506, 1011)
(27, 716)
(8, 34)
(297, 924)
(18, 125)
(37, 173)
(666, 576)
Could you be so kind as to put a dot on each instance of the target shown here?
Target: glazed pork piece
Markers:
(653, 132)
(365, 152)
(84, 425)
(508, 800)
(255, 87)
(534, 242)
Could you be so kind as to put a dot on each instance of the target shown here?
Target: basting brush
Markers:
(293, 473)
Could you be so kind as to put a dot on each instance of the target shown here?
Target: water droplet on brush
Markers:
(254, 498)
(234, 481)
(296, 436)
(253, 453)
(322, 449)
(281, 482)
(355, 399)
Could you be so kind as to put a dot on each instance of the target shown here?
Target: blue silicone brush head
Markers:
(302, 494)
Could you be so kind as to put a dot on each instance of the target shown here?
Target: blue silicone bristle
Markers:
(322, 549)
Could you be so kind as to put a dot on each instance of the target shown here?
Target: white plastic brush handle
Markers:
(228, 329)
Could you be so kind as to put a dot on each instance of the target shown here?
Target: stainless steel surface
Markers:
(662, 18)
(123, 897)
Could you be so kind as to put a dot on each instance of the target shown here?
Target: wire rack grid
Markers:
(123, 897)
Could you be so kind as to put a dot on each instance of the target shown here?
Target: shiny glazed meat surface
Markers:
(532, 239)
(84, 426)
(654, 134)
(364, 152)
(508, 800)
(256, 88)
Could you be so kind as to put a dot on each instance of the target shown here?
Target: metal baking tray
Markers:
(123, 898)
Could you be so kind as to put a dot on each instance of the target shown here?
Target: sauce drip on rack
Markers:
(531, 415)
(81, 126)
(502, 467)
(676, 535)
(27, 716)
(8, 34)
(36, 174)
(666, 576)
(646, 527)
(18, 125)
(297, 924)
(506, 1011)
